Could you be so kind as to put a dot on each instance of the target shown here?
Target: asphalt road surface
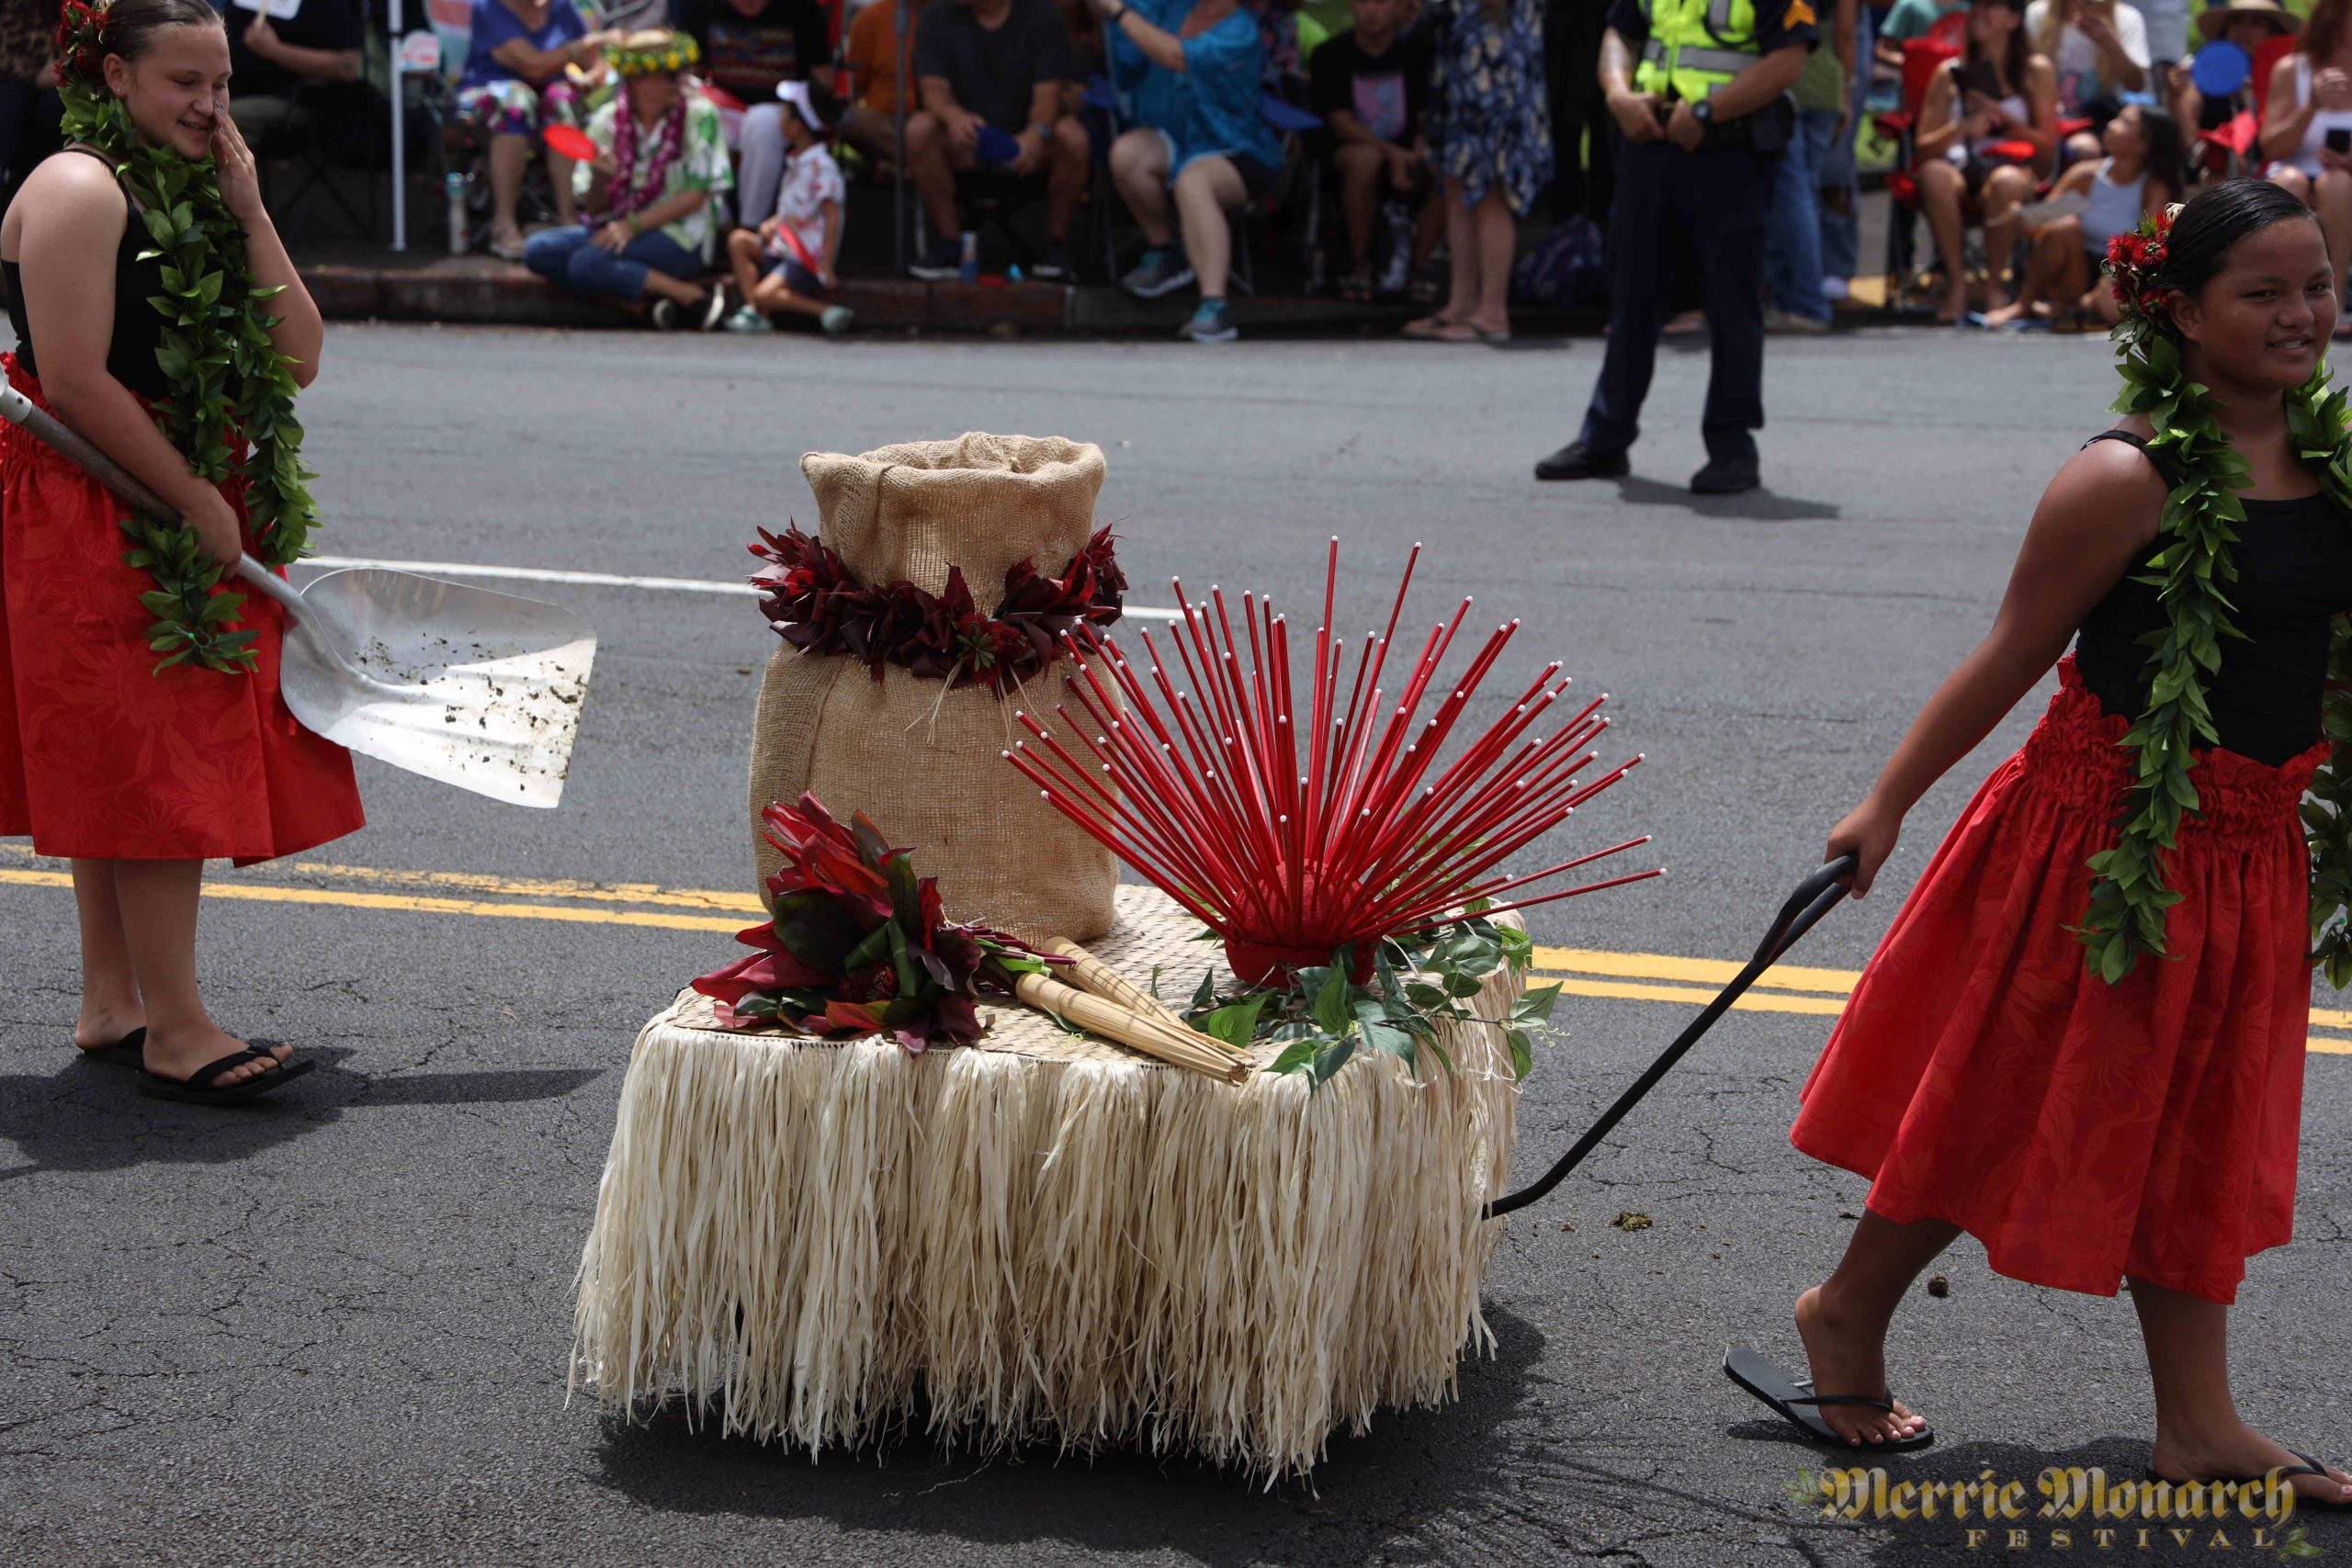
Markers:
(333, 1329)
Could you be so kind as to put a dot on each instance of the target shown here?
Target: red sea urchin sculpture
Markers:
(1368, 838)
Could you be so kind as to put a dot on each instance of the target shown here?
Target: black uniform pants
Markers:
(1712, 208)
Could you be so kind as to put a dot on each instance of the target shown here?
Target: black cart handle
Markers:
(1814, 897)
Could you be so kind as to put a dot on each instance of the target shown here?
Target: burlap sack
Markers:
(925, 761)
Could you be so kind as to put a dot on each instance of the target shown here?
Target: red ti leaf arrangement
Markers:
(814, 603)
(859, 945)
(1200, 785)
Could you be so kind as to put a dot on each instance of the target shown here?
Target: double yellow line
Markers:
(1578, 972)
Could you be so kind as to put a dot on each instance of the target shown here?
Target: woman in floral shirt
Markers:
(661, 160)
(1493, 134)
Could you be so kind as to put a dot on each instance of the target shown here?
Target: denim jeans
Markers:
(564, 257)
(1792, 249)
(1841, 241)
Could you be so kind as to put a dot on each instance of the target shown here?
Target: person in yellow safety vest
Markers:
(1700, 91)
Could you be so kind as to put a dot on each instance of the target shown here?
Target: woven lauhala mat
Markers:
(1051, 1236)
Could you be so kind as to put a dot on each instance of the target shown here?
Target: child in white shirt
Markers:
(788, 264)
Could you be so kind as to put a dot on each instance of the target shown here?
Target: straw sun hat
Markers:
(2212, 21)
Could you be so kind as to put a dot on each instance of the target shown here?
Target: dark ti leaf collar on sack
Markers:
(814, 603)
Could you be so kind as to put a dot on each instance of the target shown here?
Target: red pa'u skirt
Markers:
(2083, 1132)
(101, 756)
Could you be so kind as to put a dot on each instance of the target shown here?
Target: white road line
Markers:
(597, 579)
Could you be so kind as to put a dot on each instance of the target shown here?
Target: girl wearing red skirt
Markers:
(2080, 1043)
(139, 774)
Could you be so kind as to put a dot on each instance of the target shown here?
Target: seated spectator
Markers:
(2308, 122)
(749, 48)
(2246, 25)
(661, 160)
(1494, 145)
(514, 87)
(2143, 173)
(1372, 89)
(871, 122)
(1282, 70)
(993, 78)
(787, 265)
(1191, 68)
(269, 58)
(2099, 50)
(1998, 93)
(1910, 19)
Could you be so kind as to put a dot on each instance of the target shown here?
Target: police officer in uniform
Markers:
(1704, 112)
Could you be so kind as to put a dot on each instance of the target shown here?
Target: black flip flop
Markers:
(2309, 1467)
(1763, 1377)
(127, 1051)
(195, 1088)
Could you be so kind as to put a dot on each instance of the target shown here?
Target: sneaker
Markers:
(1779, 321)
(836, 319)
(1056, 266)
(942, 258)
(746, 320)
(1160, 272)
(1211, 323)
(663, 315)
(710, 312)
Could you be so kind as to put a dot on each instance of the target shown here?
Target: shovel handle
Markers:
(84, 454)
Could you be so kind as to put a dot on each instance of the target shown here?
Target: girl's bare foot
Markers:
(2240, 1450)
(179, 1052)
(1846, 1354)
(2003, 315)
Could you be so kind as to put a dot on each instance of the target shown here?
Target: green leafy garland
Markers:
(1430, 976)
(227, 376)
(2128, 899)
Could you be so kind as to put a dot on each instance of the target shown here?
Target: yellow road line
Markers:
(1714, 971)
(1579, 972)
(260, 893)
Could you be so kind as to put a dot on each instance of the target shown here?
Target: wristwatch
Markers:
(1703, 111)
(1045, 132)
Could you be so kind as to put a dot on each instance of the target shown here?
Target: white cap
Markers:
(796, 94)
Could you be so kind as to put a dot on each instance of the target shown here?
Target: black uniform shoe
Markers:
(1725, 476)
(1575, 461)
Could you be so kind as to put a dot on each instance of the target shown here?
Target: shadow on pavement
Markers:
(1119, 1501)
(89, 1116)
(1761, 505)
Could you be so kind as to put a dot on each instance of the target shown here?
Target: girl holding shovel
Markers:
(141, 731)
(2082, 1039)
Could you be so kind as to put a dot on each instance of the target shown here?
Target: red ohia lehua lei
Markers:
(814, 603)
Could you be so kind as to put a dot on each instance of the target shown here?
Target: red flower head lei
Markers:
(859, 946)
(230, 386)
(81, 41)
(2125, 915)
(814, 603)
(2134, 259)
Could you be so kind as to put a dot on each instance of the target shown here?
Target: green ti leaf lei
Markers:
(2129, 899)
(228, 377)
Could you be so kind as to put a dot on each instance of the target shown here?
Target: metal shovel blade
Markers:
(474, 688)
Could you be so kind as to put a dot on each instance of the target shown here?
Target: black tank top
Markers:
(138, 326)
(2294, 566)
